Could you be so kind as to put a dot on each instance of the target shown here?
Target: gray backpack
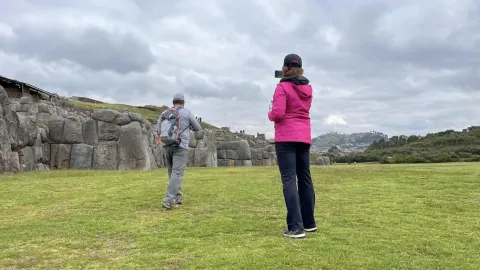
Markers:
(170, 127)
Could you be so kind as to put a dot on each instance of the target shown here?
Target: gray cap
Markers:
(179, 96)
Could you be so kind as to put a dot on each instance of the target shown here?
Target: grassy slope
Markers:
(369, 217)
(146, 112)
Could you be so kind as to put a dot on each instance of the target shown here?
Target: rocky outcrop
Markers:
(322, 161)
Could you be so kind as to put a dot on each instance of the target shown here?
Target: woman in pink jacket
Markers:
(290, 112)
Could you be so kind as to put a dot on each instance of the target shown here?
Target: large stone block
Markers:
(105, 115)
(46, 153)
(105, 156)
(23, 134)
(221, 154)
(122, 119)
(9, 162)
(55, 127)
(137, 118)
(191, 157)
(60, 156)
(193, 141)
(151, 158)
(43, 134)
(108, 131)
(326, 160)
(257, 162)
(81, 157)
(238, 163)
(72, 130)
(266, 162)
(43, 118)
(247, 163)
(90, 132)
(27, 159)
(44, 108)
(133, 148)
(254, 153)
(243, 150)
(231, 145)
(220, 145)
(206, 151)
(231, 154)
(159, 154)
(320, 161)
(38, 149)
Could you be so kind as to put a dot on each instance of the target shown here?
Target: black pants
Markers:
(294, 161)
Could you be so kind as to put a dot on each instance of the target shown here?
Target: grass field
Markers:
(369, 217)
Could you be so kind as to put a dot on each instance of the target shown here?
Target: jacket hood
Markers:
(301, 85)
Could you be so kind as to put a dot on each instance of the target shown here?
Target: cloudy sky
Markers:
(398, 67)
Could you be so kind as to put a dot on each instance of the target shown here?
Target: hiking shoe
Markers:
(294, 233)
(314, 229)
(168, 206)
(179, 200)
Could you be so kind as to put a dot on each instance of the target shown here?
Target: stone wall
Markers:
(14, 92)
(239, 149)
(202, 150)
(55, 134)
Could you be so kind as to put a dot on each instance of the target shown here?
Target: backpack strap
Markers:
(177, 136)
(178, 133)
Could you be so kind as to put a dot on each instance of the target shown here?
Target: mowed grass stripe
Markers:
(369, 217)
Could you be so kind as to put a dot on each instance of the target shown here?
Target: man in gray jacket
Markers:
(177, 154)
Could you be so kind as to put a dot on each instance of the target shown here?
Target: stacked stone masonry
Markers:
(239, 149)
(323, 161)
(36, 134)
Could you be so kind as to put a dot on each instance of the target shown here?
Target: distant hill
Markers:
(359, 141)
(444, 146)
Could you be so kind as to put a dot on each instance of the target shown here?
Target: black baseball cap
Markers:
(292, 60)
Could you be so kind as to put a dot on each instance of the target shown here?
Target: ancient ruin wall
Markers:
(54, 134)
(240, 149)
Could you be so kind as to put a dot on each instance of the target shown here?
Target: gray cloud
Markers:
(400, 67)
(92, 47)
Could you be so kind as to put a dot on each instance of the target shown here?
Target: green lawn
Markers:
(369, 217)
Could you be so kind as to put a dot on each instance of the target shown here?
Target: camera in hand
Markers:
(278, 74)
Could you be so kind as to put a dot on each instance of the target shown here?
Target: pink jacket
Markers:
(291, 110)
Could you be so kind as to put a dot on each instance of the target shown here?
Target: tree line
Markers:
(444, 146)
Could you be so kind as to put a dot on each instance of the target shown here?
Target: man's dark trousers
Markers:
(294, 161)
